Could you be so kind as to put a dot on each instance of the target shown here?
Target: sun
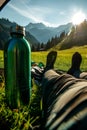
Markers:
(78, 18)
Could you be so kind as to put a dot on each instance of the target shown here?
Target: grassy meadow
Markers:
(28, 117)
(63, 61)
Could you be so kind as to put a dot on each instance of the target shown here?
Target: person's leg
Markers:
(83, 75)
(49, 76)
(37, 72)
(51, 58)
(64, 102)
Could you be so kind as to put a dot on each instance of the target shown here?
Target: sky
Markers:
(49, 12)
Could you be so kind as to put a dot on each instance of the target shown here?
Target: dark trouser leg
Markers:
(64, 102)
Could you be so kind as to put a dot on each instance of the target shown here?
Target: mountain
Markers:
(5, 25)
(44, 33)
(76, 37)
(67, 35)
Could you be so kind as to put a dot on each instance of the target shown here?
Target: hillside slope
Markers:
(76, 37)
(5, 25)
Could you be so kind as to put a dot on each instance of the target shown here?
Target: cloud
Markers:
(36, 14)
(62, 12)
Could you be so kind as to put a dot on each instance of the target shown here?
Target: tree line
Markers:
(50, 43)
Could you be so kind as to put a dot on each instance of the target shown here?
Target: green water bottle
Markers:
(17, 66)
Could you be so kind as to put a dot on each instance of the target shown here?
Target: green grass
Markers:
(63, 61)
(24, 118)
(1, 59)
(29, 116)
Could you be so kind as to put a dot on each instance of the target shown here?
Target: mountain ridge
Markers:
(65, 36)
(44, 33)
(76, 37)
(5, 25)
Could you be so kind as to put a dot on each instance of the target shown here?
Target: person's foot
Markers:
(51, 58)
(37, 72)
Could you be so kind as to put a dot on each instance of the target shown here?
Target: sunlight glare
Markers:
(78, 18)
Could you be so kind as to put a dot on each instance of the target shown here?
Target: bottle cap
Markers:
(17, 29)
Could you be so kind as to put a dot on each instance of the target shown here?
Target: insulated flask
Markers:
(17, 66)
